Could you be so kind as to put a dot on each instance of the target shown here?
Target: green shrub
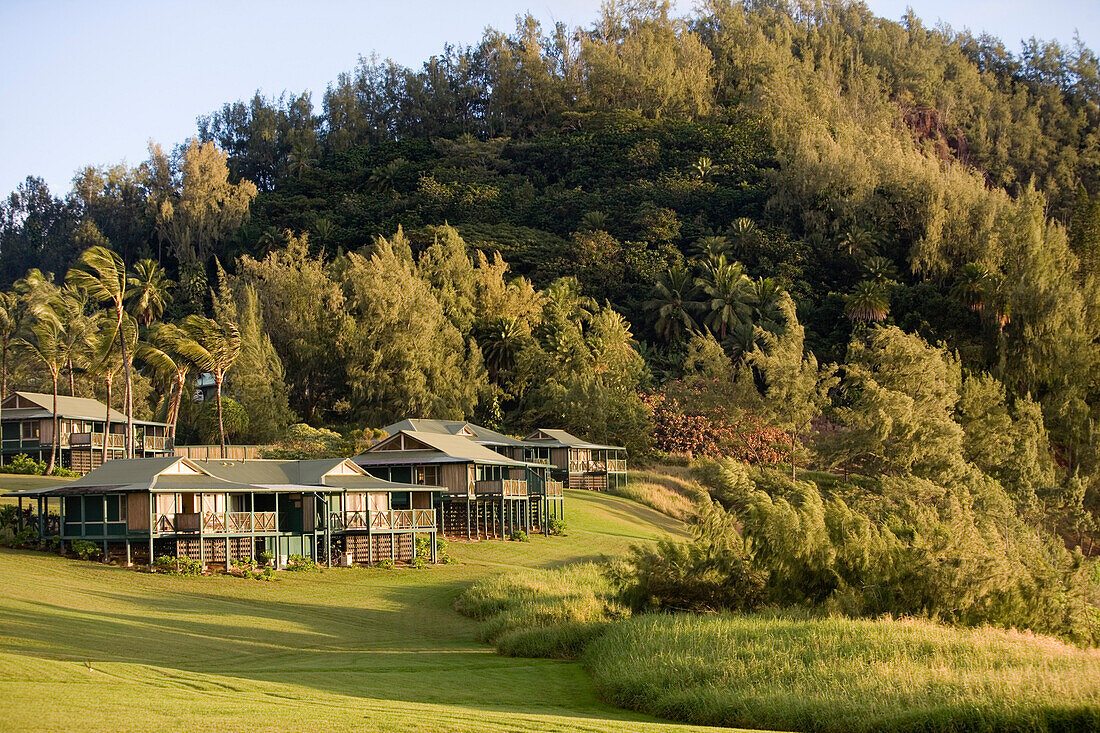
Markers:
(86, 550)
(24, 465)
(441, 553)
(300, 563)
(265, 558)
(423, 554)
(63, 472)
(385, 564)
(794, 672)
(176, 565)
(556, 526)
(518, 535)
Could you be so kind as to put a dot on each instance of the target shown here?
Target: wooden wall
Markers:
(137, 511)
(455, 477)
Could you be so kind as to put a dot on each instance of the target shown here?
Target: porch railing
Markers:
(553, 488)
(214, 522)
(502, 487)
(95, 440)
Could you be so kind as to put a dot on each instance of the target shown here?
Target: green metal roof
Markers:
(74, 408)
(453, 427)
(560, 438)
(455, 447)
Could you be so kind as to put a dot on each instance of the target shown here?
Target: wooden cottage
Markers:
(27, 424)
(578, 463)
(487, 492)
(216, 511)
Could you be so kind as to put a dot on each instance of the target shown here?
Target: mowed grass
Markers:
(838, 674)
(87, 646)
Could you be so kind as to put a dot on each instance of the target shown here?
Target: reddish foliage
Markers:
(692, 419)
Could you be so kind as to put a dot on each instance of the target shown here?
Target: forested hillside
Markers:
(779, 232)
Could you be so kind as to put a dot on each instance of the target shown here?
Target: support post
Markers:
(129, 560)
(152, 527)
(41, 521)
(20, 515)
(202, 541)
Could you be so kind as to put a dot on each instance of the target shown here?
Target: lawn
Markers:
(100, 648)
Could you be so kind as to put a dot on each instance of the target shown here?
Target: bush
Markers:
(86, 550)
(63, 472)
(24, 465)
(710, 573)
(385, 564)
(265, 558)
(518, 535)
(176, 565)
(300, 563)
(556, 526)
(441, 553)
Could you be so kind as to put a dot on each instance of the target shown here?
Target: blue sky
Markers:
(91, 83)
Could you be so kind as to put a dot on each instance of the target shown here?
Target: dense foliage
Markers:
(782, 232)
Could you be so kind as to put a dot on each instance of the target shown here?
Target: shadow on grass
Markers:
(404, 643)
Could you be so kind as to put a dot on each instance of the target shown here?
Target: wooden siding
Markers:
(137, 511)
(559, 458)
(206, 452)
(455, 477)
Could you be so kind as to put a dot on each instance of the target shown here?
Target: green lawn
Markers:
(100, 648)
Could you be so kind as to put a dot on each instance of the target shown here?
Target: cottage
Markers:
(216, 511)
(578, 463)
(89, 433)
(489, 489)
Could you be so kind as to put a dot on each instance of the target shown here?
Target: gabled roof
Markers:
(562, 439)
(173, 473)
(22, 405)
(461, 428)
(438, 448)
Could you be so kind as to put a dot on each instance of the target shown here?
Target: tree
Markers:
(102, 274)
(12, 314)
(150, 291)
(867, 303)
(171, 368)
(212, 347)
(106, 361)
(797, 387)
(728, 291)
(673, 300)
(45, 341)
(201, 211)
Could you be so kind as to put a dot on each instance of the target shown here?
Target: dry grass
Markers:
(667, 489)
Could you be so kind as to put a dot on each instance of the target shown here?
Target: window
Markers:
(399, 500)
(29, 430)
(427, 475)
(116, 508)
(93, 508)
(489, 473)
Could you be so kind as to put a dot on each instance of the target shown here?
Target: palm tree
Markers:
(11, 322)
(728, 292)
(71, 306)
(595, 221)
(673, 300)
(102, 274)
(170, 367)
(879, 270)
(45, 341)
(859, 243)
(972, 286)
(107, 358)
(766, 296)
(150, 288)
(744, 232)
(500, 340)
(211, 347)
(868, 303)
(711, 247)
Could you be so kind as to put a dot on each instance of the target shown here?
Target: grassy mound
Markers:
(667, 489)
(845, 675)
(547, 613)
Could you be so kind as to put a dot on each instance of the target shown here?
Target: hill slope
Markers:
(345, 649)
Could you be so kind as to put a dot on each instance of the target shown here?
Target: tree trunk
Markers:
(794, 441)
(221, 424)
(174, 406)
(72, 380)
(129, 406)
(107, 423)
(56, 430)
(3, 389)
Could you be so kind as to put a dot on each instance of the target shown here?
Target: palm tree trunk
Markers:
(72, 380)
(174, 406)
(3, 390)
(107, 422)
(221, 424)
(56, 430)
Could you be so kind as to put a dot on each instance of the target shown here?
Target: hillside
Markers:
(346, 649)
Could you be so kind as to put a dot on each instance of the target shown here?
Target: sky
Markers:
(91, 83)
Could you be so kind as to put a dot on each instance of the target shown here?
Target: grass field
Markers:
(88, 646)
(845, 675)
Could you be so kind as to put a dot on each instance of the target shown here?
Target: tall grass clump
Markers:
(668, 494)
(543, 613)
(792, 672)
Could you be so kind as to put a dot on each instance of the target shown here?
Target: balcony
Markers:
(391, 520)
(553, 488)
(94, 440)
(504, 487)
(157, 443)
(214, 522)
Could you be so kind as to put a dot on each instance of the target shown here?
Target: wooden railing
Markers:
(553, 488)
(95, 440)
(505, 487)
(214, 522)
(616, 465)
(398, 519)
(157, 442)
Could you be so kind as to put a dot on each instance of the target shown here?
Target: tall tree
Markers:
(102, 274)
(212, 347)
(45, 341)
(673, 300)
(150, 291)
(171, 368)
